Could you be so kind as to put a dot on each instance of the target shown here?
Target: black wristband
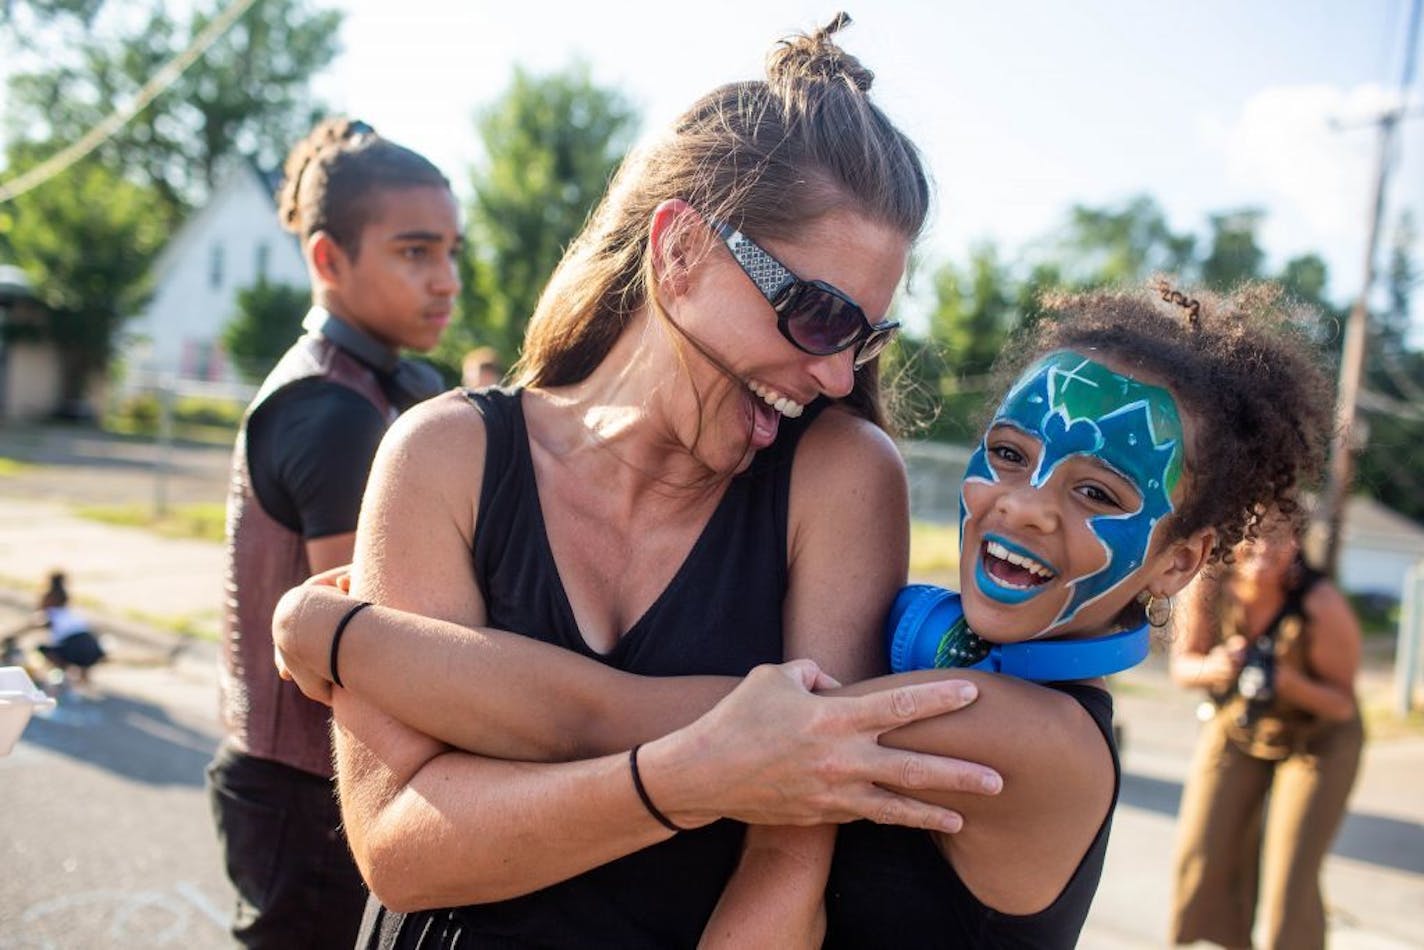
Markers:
(643, 793)
(336, 638)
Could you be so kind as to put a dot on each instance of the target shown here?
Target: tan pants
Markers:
(1231, 846)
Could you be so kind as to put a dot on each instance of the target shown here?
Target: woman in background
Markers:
(1276, 646)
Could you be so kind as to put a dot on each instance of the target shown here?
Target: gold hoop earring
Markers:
(1158, 610)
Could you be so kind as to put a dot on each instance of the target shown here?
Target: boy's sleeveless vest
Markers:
(265, 716)
(1281, 729)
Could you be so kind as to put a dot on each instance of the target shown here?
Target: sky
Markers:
(1022, 109)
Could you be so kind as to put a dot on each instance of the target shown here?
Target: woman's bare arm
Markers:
(1332, 658)
(770, 752)
(419, 670)
(1199, 660)
(848, 554)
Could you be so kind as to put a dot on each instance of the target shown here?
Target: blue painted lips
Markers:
(1003, 593)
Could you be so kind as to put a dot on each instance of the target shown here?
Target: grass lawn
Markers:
(934, 553)
(202, 521)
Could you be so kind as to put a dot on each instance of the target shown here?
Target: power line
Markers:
(1342, 463)
(59, 162)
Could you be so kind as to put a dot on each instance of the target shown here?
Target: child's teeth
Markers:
(1027, 563)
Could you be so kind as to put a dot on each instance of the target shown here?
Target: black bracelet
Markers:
(643, 793)
(336, 639)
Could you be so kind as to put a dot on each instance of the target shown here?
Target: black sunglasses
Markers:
(816, 317)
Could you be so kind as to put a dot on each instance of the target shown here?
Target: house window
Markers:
(264, 256)
(215, 267)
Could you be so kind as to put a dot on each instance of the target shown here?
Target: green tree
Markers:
(1234, 255)
(268, 318)
(1121, 245)
(1306, 279)
(27, 14)
(86, 246)
(248, 94)
(973, 314)
(551, 143)
(72, 63)
(1390, 466)
(1028, 298)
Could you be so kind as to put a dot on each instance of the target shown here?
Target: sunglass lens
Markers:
(873, 345)
(824, 323)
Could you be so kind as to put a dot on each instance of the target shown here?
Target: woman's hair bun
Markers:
(815, 58)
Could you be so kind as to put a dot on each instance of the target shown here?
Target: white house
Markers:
(1377, 547)
(226, 246)
(30, 370)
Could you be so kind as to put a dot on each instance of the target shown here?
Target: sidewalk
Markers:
(142, 588)
(131, 580)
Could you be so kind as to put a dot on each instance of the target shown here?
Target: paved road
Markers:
(104, 829)
(106, 837)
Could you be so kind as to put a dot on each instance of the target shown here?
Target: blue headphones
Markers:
(927, 630)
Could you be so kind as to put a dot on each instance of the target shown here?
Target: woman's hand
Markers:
(302, 626)
(1222, 665)
(774, 753)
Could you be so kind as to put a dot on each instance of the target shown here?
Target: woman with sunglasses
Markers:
(689, 480)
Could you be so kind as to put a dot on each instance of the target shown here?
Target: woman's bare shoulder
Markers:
(839, 443)
(442, 436)
(1329, 613)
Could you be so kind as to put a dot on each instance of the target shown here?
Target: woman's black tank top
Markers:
(721, 614)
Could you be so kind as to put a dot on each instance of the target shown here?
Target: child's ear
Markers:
(1184, 559)
(676, 239)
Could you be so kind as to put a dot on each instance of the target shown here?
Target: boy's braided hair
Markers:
(330, 175)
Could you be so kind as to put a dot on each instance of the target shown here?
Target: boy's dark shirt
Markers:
(310, 449)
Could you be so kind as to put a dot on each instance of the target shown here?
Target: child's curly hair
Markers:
(1258, 399)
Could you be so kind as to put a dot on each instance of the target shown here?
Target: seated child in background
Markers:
(72, 649)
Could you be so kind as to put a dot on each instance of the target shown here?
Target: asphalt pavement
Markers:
(104, 826)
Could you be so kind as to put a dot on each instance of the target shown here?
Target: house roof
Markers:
(1371, 524)
(196, 221)
(271, 178)
(15, 284)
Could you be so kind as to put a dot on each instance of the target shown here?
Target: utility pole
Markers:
(1352, 360)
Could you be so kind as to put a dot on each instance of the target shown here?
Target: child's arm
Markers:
(849, 554)
(775, 897)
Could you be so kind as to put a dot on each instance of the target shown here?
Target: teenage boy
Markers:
(379, 230)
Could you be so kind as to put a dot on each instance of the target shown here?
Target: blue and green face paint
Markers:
(1074, 406)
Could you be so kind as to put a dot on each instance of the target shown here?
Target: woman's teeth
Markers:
(1038, 570)
(785, 405)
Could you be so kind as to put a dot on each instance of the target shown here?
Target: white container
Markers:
(18, 698)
